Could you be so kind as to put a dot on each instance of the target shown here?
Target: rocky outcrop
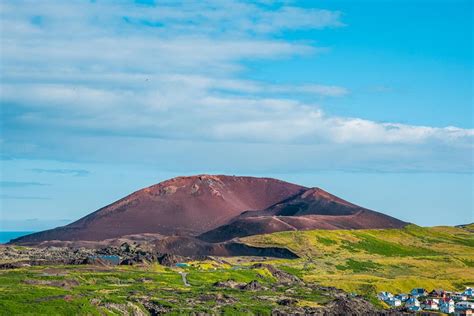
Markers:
(126, 254)
(253, 285)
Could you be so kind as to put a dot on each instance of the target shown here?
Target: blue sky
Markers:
(371, 100)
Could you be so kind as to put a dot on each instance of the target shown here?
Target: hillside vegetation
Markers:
(363, 262)
(368, 261)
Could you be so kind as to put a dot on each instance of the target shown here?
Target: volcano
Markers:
(179, 206)
(216, 208)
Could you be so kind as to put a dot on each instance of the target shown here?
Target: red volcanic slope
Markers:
(183, 205)
(312, 209)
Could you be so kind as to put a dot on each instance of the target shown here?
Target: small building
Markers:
(412, 302)
(447, 306)
(402, 297)
(440, 293)
(464, 305)
(459, 297)
(468, 292)
(384, 295)
(467, 312)
(394, 302)
(418, 292)
(430, 305)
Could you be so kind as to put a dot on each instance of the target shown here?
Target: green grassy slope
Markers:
(366, 261)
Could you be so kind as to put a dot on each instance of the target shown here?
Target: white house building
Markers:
(412, 301)
(384, 296)
(464, 305)
(468, 292)
(392, 301)
(447, 306)
(430, 305)
(402, 297)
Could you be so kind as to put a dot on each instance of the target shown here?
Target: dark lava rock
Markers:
(231, 284)
(287, 302)
(13, 265)
(350, 306)
(252, 286)
(170, 260)
(155, 309)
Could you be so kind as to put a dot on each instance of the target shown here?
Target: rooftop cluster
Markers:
(458, 303)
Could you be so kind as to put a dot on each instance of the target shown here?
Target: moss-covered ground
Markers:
(90, 290)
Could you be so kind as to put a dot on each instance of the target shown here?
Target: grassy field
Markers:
(362, 262)
(88, 290)
(368, 261)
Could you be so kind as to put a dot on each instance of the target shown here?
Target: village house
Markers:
(447, 306)
(412, 304)
(384, 296)
(394, 302)
(468, 292)
(418, 292)
(412, 301)
(402, 297)
(467, 312)
(459, 297)
(437, 293)
(464, 305)
(430, 305)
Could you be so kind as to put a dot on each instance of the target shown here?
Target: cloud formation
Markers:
(20, 184)
(175, 72)
(73, 172)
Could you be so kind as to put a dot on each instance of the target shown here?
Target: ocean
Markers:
(7, 236)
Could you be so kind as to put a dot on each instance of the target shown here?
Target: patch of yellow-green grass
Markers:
(305, 303)
(208, 265)
(155, 267)
(265, 274)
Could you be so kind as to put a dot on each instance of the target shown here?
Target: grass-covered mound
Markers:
(366, 261)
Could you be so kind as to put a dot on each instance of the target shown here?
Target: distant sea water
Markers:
(7, 236)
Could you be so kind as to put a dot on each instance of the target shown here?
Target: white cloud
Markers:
(163, 111)
(175, 72)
